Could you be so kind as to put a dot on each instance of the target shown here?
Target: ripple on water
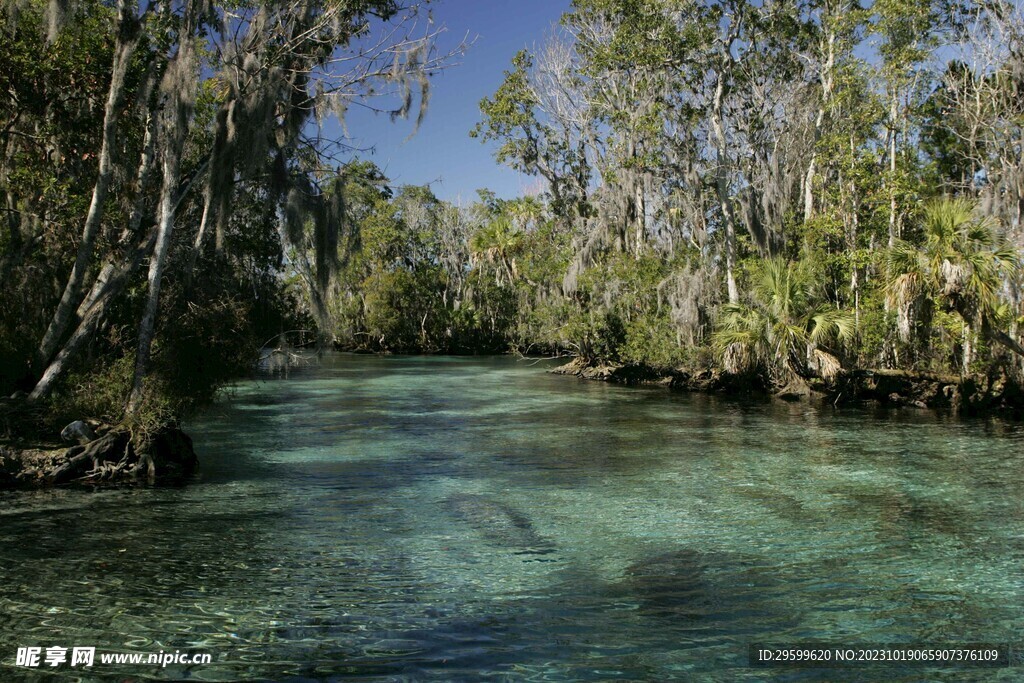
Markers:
(463, 519)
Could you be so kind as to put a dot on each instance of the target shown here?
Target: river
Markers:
(437, 518)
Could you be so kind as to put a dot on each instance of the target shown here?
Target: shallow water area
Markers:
(437, 518)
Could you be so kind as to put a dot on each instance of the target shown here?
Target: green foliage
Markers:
(652, 340)
(782, 329)
(718, 147)
(130, 137)
(960, 264)
(94, 393)
(686, 112)
(680, 147)
(874, 333)
(946, 138)
(957, 266)
(617, 316)
(52, 109)
(532, 143)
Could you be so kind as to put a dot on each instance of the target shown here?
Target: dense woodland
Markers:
(783, 190)
(160, 164)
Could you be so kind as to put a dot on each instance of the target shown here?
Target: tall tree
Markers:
(129, 32)
(277, 70)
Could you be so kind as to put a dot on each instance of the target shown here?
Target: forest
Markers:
(282, 401)
(787, 192)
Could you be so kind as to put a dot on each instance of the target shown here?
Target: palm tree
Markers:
(960, 267)
(497, 243)
(781, 330)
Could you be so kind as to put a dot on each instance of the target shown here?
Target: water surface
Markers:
(460, 519)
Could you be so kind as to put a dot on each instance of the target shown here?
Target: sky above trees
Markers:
(441, 153)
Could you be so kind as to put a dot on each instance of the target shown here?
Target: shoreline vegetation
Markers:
(974, 396)
(112, 455)
(779, 195)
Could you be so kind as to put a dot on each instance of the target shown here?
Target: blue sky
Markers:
(442, 153)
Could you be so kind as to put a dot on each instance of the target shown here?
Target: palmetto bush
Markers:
(785, 329)
(959, 265)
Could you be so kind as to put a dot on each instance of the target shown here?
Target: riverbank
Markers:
(103, 455)
(112, 454)
(976, 395)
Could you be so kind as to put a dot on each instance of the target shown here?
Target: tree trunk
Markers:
(852, 211)
(128, 39)
(215, 204)
(809, 187)
(641, 217)
(128, 235)
(967, 349)
(180, 86)
(165, 226)
(112, 279)
(819, 120)
(893, 208)
(722, 188)
(998, 335)
(86, 328)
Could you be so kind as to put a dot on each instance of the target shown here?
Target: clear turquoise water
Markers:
(463, 519)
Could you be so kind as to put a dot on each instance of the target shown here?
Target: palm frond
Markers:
(781, 322)
(962, 264)
(828, 366)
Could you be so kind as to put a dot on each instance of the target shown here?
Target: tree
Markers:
(537, 115)
(960, 265)
(983, 98)
(909, 30)
(272, 72)
(497, 243)
(129, 34)
(52, 114)
(781, 329)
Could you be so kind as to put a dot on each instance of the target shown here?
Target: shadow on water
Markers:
(465, 519)
(499, 524)
(709, 593)
(903, 512)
